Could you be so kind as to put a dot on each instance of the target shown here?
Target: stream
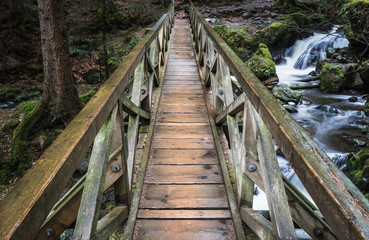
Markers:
(331, 119)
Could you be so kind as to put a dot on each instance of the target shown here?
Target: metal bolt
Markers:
(220, 92)
(50, 232)
(318, 231)
(127, 90)
(115, 167)
(143, 91)
(252, 167)
(236, 91)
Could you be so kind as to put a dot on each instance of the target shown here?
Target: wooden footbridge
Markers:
(177, 82)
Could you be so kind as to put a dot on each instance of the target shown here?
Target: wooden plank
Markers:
(110, 222)
(273, 184)
(181, 91)
(189, 143)
(89, 209)
(162, 131)
(211, 196)
(235, 107)
(183, 214)
(132, 109)
(175, 156)
(183, 174)
(184, 229)
(259, 225)
(165, 108)
(184, 118)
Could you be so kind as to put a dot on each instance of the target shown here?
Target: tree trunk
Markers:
(60, 101)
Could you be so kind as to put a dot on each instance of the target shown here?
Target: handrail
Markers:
(26, 207)
(343, 206)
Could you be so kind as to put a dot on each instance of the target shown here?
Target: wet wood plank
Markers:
(211, 196)
(190, 143)
(163, 131)
(182, 108)
(184, 118)
(184, 229)
(181, 156)
(183, 214)
(184, 174)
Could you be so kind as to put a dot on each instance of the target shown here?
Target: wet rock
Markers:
(332, 78)
(284, 93)
(327, 108)
(261, 63)
(67, 234)
(353, 80)
(366, 108)
(313, 73)
(330, 51)
(353, 99)
(257, 18)
(214, 21)
(359, 143)
(357, 169)
(246, 15)
(290, 108)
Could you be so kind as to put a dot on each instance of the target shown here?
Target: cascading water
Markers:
(330, 118)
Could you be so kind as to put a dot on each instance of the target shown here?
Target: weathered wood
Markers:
(259, 225)
(323, 180)
(184, 118)
(273, 184)
(183, 156)
(188, 174)
(132, 109)
(235, 107)
(164, 131)
(183, 214)
(89, 209)
(110, 222)
(184, 196)
(184, 229)
(188, 143)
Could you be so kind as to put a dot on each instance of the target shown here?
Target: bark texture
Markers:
(60, 101)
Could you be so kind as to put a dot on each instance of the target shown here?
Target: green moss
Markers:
(355, 166)
(10, 94)
(238, 38)
(332, 78)
(261, 63)
(366, 108)
(299, 18)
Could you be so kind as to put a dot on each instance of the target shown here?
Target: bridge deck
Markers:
(183, 194)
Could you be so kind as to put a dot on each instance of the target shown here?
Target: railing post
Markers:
(88, 213)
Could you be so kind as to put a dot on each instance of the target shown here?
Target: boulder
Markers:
(262, 64)
(284, 93)
(357, 12)
(332, 78)
(357, 169)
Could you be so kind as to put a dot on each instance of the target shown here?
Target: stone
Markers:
(359, 143)
(353, 99)
(67, 234)
(246, 15)
(290, 108)
(332, 78)
(284, 93)
(327, 108)
(83, 166)
(214, 21)
(262, 64)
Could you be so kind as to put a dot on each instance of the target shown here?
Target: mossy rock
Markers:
(299, 18)
(261, 63)
(332, 78)
(278, 34)
(357, 12)
(238, 38)
(285, 94)
(366, 108)
(12, 94)
(358, 167)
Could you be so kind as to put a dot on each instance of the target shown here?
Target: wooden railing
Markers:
(343, 206)
(110, 122)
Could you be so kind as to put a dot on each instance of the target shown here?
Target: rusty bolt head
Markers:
(143, 91)
(318, 231)
(220, 92)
